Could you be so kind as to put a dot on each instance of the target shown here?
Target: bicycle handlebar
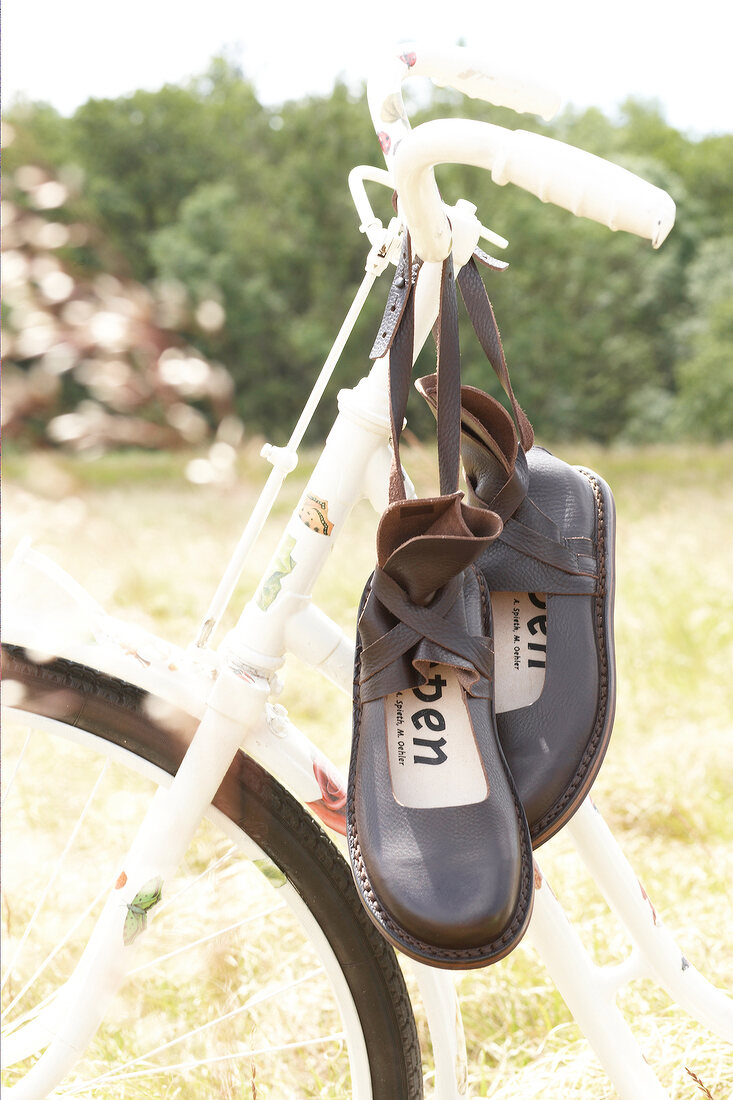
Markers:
(553, 171)
(447, 65)
(587, 185)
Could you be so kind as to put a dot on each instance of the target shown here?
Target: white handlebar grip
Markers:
(578, 181)
(584, 184)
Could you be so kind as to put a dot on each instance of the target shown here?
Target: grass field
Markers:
(151, 546)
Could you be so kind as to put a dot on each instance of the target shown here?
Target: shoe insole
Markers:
(433, 757)
(520, 648)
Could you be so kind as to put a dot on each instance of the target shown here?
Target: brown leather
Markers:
(484, 322)
(423, 873)
(451, 886)
(490, 261)
(558, 540)
(448, 385)
(410, 618)
(486, 427)
(402, 285)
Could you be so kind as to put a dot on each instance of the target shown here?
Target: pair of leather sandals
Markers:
(484, 676)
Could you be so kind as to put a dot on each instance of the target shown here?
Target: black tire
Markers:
(119, 712)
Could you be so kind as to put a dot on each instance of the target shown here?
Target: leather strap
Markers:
(555, 552)
(403, 282)
(400, 370)
(490, 261)
(484, 322)
(401, 303)
(486, 429)
(415, 613)
(449, 383)
(514, 490)
(416, 628)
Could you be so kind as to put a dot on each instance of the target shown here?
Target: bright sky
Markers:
(65, 51)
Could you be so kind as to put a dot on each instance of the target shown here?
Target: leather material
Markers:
(448, 377)
(553, 531)
(557, 539)
(403, 281)
(445, 870)
(415, 611)
(486, 430)
(407, 639)
(448, 885)
(484, 323)
(555, 747)
(490, 261)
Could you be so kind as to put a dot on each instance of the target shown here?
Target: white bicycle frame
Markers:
(230, 688)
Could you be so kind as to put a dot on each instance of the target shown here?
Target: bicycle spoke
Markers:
(16, 769)
(54, 875)
(253, 1002)
(62, 943)
(31, 1014)
(207, 871)
(159, 959)
(180, 1067)
(242, 967)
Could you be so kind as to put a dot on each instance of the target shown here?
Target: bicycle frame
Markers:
(229, 690)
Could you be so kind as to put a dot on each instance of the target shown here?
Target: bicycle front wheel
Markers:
(260, 976)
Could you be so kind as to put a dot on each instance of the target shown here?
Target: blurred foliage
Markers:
(93, 360)
(231, 228)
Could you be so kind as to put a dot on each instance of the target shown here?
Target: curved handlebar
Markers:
(568, 177)
(578, 181)
(446, 65)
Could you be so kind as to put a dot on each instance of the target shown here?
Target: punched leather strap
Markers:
(449, 376)
(402, 284)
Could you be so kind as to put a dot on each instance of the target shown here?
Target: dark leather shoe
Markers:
(437, 837)
(551, 578)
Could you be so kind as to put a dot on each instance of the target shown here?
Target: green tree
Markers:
(203, 188)
(705, 366)
(143, 154)
(282, 256)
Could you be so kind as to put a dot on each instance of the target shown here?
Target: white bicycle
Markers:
(164, 787)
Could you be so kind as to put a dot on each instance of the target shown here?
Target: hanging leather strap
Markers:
(403, 283)
(398, 336)
(484, 322)
(449, 383)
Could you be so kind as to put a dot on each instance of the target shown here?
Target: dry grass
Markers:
(151, 547)
(216, 886)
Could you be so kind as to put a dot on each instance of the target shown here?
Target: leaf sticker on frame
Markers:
(284, 564)
(136, 920)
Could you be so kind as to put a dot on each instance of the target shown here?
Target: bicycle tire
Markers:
(119, 713)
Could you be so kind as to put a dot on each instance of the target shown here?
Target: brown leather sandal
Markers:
(437, 837)
(551, 577)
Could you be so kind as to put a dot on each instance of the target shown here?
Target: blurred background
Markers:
(180, 245)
